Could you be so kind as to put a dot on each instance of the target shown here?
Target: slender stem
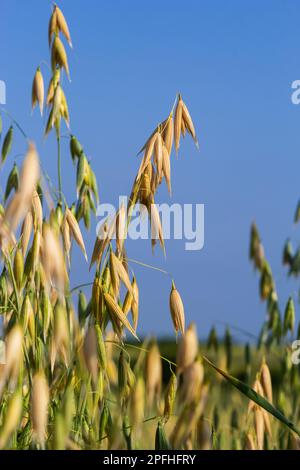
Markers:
(59, 166)
(81, 286)
(11, 273)
(15, 122)
(148, 266)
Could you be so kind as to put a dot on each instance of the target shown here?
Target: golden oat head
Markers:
(38, 91)
(177, 310)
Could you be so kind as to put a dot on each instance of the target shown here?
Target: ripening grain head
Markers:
(39, 407)
(177, 310)
(21, 201)
(187, 348)
(38, 91)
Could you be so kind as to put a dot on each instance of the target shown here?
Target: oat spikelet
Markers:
(66, 238)
(115, 280)
(104, 235)
(75, 230)
(52, 29)
(259, 427)
(168, 133)
(14, 213)
(267, 422)
(96, 250)
(186, 423)
(7, 238)
(204, 435)
(148, 154)
(118, 313)
(59, 56)
(52, 87)
(14, 355)
(37, 211)
(120, 228)
(266, 381)
(156, 227)
(100, 244)
(294, 442)
(54, 266)
(137, 403)
(39, 407)
(188, 123)
(120, 272)
(26, 232)
(166, 168)
(30, 172)
(177, 310)
(158, 154)
(62, 25)
(145, 192)
(20, 203)
(38, 91)
(187, 348)
(170, 397)
(177, 124)
(153, 375)
(131, 302)
(183, 128)
(36, 246)
(57, 103)
(192, 380)
(249, 444)
(127, 303)
(135, 303)
(61, 335)
(148, 140)
(18, 267)
(96, 301)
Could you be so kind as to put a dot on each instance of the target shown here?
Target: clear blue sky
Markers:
(234, 63)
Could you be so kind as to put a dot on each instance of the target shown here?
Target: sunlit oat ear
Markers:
(52, 27)
(75, 231)
(177, 310)
(168, 133)
(39, 407)
(153, 374)
(26, 232)
(38, 92)
(62, 25)
(166, 167)
(187, 349)
(59, 56)
(117, 312)
(177, 124)
(22, 199)
(188, 123)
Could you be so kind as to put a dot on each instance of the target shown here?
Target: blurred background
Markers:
(234, 63)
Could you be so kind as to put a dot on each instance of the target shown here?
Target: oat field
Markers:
(76, 374)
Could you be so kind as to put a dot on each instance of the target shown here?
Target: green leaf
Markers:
(161, 440)
(252, 395)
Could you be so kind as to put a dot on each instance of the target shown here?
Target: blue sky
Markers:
(234, 63)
